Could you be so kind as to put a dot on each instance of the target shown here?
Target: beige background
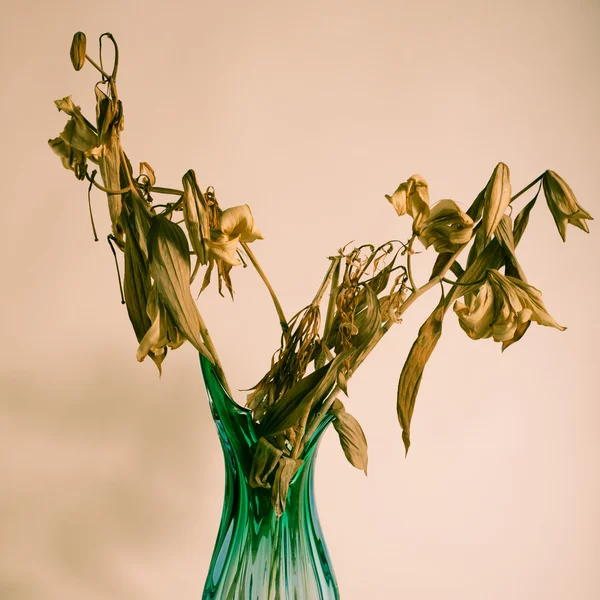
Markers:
(112, 481)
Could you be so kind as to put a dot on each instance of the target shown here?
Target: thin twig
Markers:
(90, 205)
(110, 239)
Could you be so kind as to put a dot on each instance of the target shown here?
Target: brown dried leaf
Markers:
(352, 439)
(412, 372)
(170, 269)
(195, 213)
(266, 458)
(286, 470)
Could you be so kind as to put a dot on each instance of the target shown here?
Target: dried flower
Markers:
(233, 226)
(412, 197)
(78, 50)
(501, 308)
(447, 227)
(236, 225)
(563, 204)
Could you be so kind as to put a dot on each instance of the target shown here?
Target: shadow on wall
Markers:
(96, 489)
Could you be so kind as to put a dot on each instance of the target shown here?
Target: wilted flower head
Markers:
(563, 204)
(446, 227)
(412, 197)
(502, 308)
(228, 228)
(236, 224)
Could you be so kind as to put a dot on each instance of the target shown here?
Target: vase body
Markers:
(258, 556)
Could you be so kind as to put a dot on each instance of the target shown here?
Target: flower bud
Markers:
(497, 199)
(78, 50)
(563, 204)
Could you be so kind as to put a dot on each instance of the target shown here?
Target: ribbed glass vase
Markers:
(258, 556)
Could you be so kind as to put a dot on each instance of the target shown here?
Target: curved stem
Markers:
(104, 189)
(282, 320)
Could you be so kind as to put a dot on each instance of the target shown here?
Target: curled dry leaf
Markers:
(196, 216)
(352, 437)
(266, 458)
(170, 269)
(109, 120)
(412, 372)
(286, 470)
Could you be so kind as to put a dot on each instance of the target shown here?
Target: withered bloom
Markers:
(501, 307)
(447, 227)
(563, 204)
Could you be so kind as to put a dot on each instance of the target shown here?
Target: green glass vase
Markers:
(258, 556)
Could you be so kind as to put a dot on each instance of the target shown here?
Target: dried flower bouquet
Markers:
(365, 291)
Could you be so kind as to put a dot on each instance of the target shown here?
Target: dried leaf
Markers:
(195, 213)
(286, 470)
(284, 413)
(266, 457)
(522, 220)
(412, 372)
(504, 233)
(170, 269)
(492, 257)
(476, 207)
(368, 321)
(352, 439)
(136, 286)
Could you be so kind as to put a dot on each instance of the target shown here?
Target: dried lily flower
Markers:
(233, 226)
(501, 308)
(563, 204)
(236, 225)
(412, 197)
(77, 142)
(447, 227)
(78, 50)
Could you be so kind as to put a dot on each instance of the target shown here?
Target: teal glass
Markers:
(256, 555)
